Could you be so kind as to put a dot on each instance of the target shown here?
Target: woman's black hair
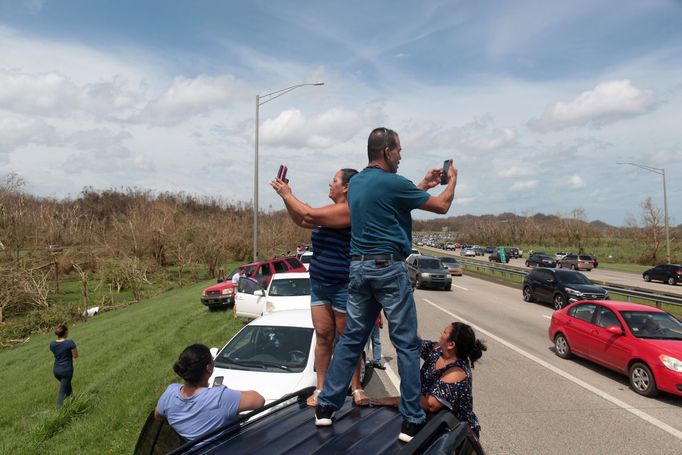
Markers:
(61, 330)
(191, 365)
(346, 175)
(467, 346)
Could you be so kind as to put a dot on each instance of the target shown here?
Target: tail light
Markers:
(679, 272)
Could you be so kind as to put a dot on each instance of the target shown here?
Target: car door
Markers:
(247, 301)
(659, 273)
(609, 349)
(579, 328)
(544, 285)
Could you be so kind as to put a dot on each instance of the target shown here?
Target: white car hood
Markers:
(272, 385)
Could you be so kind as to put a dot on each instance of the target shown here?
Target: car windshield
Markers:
(306, 258)
(267, 348)
(567, 277)
(585, 258)
(543, 257)
(289, 287)
(646, 324)
(450, 261)
(430, 264)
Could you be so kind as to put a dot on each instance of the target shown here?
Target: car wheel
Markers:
(572, 266)
(418, 284)
(561, 347)
(527, 264)
(672, 281)
(647, 277)
(527, 294)
(559, 302)
(558, 264)
(642, 381)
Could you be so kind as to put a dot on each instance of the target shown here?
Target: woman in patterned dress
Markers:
(446, 378)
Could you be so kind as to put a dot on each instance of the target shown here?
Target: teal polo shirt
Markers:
(380, 212)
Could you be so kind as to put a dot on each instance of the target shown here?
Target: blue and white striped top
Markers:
(331, 255)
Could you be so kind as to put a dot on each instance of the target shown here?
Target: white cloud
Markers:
(188, 97)
(291, 128)
(523, 185)
(515, 172)
(103, 151)
(606, 103)
(575, 181)
(17, 132)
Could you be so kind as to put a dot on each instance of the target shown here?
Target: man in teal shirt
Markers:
(380, 204)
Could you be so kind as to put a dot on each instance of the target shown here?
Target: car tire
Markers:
(672, 281)
(561, 347)
(647, 277)
(572, 266)
(527, 264)
(527, 294)
(559, 301)
(642, 380)
(418, 284)
(558, 264)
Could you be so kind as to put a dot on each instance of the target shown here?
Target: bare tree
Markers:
(652, 219)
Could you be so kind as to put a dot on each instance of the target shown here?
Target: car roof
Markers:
(626, 306)
(287, 318)
(288, 275)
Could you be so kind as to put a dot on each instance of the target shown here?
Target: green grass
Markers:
(125, 363)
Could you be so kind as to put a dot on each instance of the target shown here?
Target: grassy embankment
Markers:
(125, 363)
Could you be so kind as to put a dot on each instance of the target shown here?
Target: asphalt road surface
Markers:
(527, 399)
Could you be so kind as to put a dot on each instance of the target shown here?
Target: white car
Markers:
(286, 291)
(305, 258)
(273, 355)
(469, 252)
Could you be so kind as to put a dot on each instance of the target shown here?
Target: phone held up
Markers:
(444, 178)
(282, 173)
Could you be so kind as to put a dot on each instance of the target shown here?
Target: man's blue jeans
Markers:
(375, 336)
(64, 386)
(375, 285)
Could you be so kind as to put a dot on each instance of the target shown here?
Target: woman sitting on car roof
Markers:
(193, 408)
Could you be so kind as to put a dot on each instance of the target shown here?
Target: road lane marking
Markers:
(460, 287)
(621, 404)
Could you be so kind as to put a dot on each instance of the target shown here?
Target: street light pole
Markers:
(260, 100)
(659, 171)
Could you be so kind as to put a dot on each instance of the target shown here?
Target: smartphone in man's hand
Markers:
(282, 173)
(444, 178)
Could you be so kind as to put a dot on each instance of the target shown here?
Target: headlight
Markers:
(203, 293)
(424, 275)
(227, 291)
(269, 307)
(574, 292)
(671, 363)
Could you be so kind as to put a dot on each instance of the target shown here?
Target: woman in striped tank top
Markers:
(329, 270)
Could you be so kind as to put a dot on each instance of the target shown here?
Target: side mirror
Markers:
(214, 352)
(259, 293)
(614, 329)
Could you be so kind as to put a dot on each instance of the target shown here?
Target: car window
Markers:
(570, 256)
(265, 269)
(544, 275)
(606, 318)
(280, 267)
(430, 264)
(585, 258)
(584, 312)
(293, 262)
(247, 285)
(646, 324)
(571, 277)
(289, 287)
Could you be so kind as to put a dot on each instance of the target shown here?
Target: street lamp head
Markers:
(318, 83)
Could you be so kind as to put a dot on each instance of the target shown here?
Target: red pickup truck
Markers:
(221, 295)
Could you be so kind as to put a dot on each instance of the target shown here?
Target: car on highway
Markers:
(305, 258)
(273, 355)
(560, 287)
(489, 250)
(286, 291)
(468, 252)
(479, 251)
(428, 271)
(559, 255)
(497, 256)
(514, 252)
(221, 294)
(642, 342)
(576, 262)
(452, 265)
(540, 260)
(668, 273)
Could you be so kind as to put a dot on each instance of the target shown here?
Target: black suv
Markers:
(560, 287)
(497, 257)
(428, 271)
(668, 273)
(540, 260)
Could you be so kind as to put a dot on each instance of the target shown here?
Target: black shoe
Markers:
(408, 430)
(323, 416)
(378, 365)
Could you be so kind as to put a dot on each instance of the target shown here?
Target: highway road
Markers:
(529, 400)
(598, 275)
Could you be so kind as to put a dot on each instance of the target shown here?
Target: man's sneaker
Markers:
(408, 430)
(323, 416)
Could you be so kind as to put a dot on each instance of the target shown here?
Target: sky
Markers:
(535, 101)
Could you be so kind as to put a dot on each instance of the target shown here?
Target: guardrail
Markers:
(629, 292)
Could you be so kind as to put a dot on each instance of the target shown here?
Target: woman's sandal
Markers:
(312, 399)
(360, 397)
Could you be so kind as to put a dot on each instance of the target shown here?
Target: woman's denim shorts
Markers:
(335, 295)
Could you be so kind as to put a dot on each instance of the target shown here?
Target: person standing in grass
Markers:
(64, 351)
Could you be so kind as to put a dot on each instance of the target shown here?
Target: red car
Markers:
(643, 342)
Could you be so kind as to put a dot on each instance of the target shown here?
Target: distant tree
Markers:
(652, 219)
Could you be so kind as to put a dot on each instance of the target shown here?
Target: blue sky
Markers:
(536, 101)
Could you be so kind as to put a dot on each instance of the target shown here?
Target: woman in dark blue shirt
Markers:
(64, 351)
(329, 270)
